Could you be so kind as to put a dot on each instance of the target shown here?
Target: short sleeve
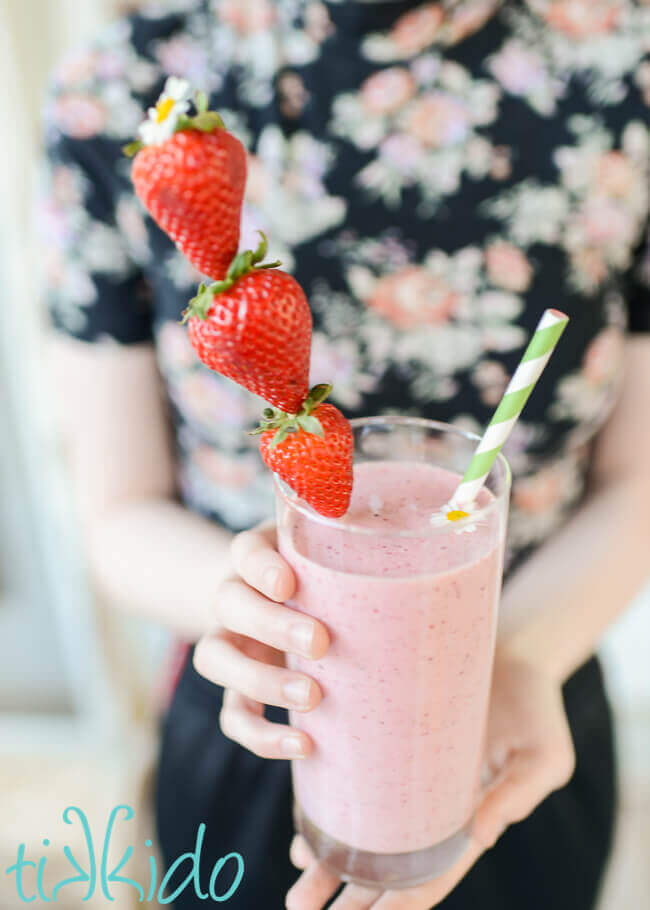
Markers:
(638, 287)
(90, 232)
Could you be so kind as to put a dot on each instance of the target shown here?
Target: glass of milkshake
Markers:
(388, 795)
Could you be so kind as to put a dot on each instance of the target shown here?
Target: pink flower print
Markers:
(583, 18)
(180, 57)
(603, 223)
(604, 357)
(110, 65)
(438, 120)
(591, 265)
(257, 180)
(491, 378)
(64, 187)
(425, 68)
(336, 360)
(470, 18)
(78, 115)
(540, 492)
(418, 28)
(328, 360)
(52, 225)
(522, 437)
(413, 296)
(508, 267)
(76, 68)
(233, 473)
(74, 282)
(209, 399)
(246, 16)
(402, 151)
(387, 91)
(614, 175)
(253, 220)
(518, 69)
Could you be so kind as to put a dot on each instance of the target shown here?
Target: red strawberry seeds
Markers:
(193, 187)
(313, 454)
(255, 328)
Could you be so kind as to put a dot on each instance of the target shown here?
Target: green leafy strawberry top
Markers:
(170, 115)
(283, 424)
(243, 264)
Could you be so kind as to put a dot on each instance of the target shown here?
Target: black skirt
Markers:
(555, 858)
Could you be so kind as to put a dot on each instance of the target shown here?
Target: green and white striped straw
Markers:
(542, 344)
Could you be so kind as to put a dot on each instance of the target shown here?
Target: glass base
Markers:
(384, 870)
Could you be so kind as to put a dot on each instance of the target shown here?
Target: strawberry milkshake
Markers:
(389, 791)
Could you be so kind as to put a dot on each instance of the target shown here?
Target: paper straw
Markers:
(542, 344)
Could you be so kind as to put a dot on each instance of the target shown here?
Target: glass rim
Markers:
(299, 505)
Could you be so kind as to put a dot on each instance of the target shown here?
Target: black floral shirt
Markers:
(434, 174)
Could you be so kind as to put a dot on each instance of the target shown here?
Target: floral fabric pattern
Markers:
(423, 120)
(596, 211)
(433, 173)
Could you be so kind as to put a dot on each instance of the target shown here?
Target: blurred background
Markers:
(78, 694)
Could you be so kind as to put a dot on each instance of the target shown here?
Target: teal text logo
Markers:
(92, 869)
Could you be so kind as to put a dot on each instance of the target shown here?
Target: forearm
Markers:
(147, 553)
(557, 606)
(156, 558)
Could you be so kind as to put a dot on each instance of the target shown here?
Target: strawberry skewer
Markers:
(253, 323)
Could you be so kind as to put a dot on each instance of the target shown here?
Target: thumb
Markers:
(256, 560)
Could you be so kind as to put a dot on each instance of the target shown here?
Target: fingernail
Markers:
(292, 747)
(271, 580)
(297, 692)
(301, 637)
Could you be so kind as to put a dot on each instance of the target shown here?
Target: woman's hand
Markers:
(245, 653)
(529, 753)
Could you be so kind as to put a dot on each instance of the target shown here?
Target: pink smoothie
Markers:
(399, 733)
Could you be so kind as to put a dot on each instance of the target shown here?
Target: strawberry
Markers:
(311, 452)
(255, 328)
(192, 183)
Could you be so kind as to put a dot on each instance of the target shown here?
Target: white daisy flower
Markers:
(163, 118)
(452, 513)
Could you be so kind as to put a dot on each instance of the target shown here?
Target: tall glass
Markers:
(388, 794)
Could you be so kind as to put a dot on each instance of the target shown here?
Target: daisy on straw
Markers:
(452, 513)
(170, 107)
